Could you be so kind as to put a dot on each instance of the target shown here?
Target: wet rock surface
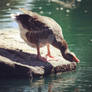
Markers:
(17, 59)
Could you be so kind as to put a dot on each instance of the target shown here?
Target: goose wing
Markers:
(43, 23)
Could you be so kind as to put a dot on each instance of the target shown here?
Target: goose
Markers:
(38, 31)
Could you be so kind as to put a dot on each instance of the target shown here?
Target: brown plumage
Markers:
(38, 31)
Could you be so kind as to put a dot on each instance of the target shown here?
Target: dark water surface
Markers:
(76, 23)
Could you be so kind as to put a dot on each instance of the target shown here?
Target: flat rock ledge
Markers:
(18, 60)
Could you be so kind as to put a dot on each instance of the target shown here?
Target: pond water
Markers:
(76, 22)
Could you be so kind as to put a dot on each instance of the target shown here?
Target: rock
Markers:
(18, 60)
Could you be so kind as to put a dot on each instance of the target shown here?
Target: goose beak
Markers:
(76, 59)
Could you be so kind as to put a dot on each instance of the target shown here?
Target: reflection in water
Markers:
(65, 4)
(53, 83)
(50, 89)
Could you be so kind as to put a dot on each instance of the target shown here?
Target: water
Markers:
(76, 23)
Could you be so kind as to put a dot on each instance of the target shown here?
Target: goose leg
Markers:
(48, 49)
(51, 58)
(38, 51)
(39, 55)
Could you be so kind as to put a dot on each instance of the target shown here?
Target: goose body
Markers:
(38, 31)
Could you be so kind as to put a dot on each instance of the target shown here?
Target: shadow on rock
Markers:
(24, 58)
